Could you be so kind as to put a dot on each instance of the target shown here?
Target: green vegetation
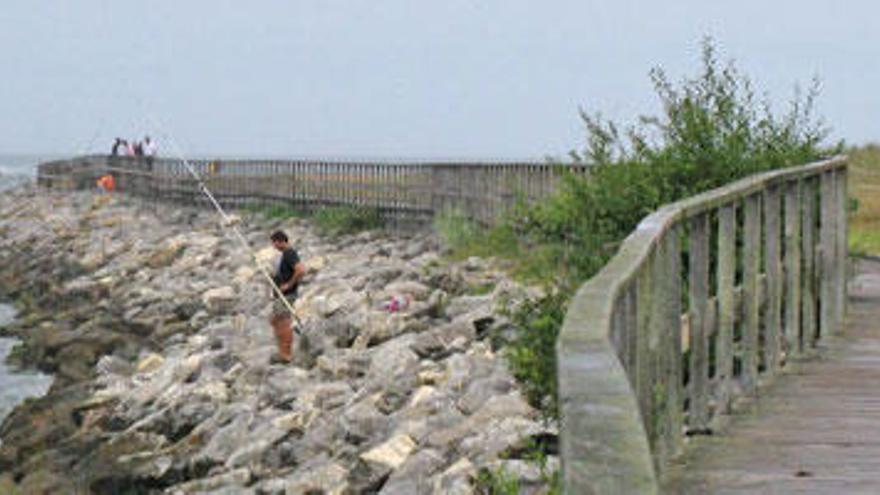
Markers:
(334, 220)
(275, 211)
(465, 238)
(337, 220)
(864, 188)
(497, 482)
(713, 130)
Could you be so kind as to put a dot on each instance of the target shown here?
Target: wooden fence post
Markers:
(842, 250)
(726, 272)
(828, 245)
(808, 246)
(773, 271)
(699, 338)
(751, 303)
(792, 267)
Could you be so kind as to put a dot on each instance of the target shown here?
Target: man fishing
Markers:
(287, 277)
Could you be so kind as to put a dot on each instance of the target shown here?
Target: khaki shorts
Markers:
(279, 309)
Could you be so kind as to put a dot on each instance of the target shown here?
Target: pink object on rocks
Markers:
(398, 303)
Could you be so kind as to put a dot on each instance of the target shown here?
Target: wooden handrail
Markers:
(624, 402)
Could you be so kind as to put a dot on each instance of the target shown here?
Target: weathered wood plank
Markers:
(671, 337)
(792, 267)
(751, 301)
(773, 271)
(842, 250)
(726, 272)
(698, 418)
(828, 245)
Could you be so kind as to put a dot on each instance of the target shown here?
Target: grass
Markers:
(864, 189)
(527, 262)
(332, 220)
(497, 482)
(338, 220)
(275, 212)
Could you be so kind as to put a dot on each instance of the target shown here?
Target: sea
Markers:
(17, 385)
(16, 169)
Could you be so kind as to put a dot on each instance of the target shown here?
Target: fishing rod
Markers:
(228, 222)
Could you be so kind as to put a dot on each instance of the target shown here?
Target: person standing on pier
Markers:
(149, 148)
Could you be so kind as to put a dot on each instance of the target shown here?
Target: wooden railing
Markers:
(480, 191)
(705, 299)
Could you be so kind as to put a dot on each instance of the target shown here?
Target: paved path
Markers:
(816, 429)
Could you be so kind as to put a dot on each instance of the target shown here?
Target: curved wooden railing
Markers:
(705, 299)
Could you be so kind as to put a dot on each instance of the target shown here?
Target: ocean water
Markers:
(16, 385)
(18, 169)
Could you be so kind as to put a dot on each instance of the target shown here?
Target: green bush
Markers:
(338, 220)
(712, 131)
(275, 211)
(497, 482)
(531, 355)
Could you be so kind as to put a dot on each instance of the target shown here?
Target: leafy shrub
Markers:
(712, 130)
(275, 211)
(497, 482)
(347, 219)
(531, 355)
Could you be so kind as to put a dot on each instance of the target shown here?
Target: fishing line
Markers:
(228, 222)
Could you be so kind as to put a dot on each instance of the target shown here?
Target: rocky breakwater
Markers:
(153, 321)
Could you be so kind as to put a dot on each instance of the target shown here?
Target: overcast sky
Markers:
(401, 78)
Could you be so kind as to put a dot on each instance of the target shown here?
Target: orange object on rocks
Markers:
(106, 183)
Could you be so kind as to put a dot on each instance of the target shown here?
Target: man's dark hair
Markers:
(278, 236)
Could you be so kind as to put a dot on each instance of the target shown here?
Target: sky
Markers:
(494, 79)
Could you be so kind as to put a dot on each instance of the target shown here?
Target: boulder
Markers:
(236, 479)
(326, 477)
(479, 391)
(497, 435)
(391, 453)
(363, 421)
(149, 363)
(416, 290)
(414, 476)
(456, 480)
(219, 300)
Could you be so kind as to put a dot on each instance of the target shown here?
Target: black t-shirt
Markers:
(289, 259)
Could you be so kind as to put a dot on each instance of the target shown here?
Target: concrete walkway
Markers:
(816, 429)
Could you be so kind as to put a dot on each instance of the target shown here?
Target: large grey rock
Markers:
(363, 421)
(415, 290)
(219, 300)
(497, 435)
(414, 476)
(324, 476)
(457, 478)
(227, 439)
(393, 358)
(326, 396)
(343, 365)
(444, 340)
(479, 391)
(493, 410)
(236, 479)
(392, 452)
(379, 327)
